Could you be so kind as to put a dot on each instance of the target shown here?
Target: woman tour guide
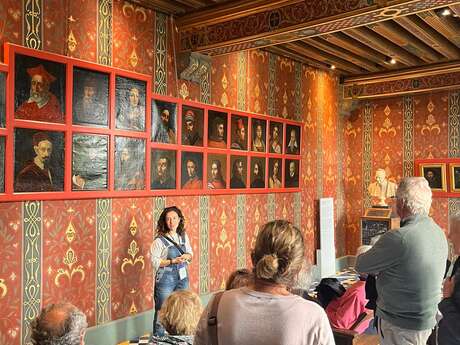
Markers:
(171, 252)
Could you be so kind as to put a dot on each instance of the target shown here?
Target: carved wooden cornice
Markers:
(414, 80)
(285, 21)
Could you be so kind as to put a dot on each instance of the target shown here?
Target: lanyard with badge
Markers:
(182, 270)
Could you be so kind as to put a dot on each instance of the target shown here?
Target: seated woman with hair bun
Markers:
(266, 312)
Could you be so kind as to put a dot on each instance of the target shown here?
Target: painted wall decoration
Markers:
(39, 160)
(130, 98)
(90, 101)
(90, 160)
(40, 89)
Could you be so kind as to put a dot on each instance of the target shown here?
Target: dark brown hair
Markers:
(239, 278)
(162, 227)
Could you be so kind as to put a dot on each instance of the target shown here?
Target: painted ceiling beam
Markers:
(256, 24)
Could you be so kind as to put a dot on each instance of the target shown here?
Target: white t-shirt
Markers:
(247, 317)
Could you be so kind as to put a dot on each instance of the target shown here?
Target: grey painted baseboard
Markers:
(115, 332)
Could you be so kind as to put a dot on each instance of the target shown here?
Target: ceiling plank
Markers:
(377, 42)
(448, 26)
(397, 34)
(345, 54)
(315, 53)
(358, 48)
(429, 35)
(455, 9)
(167, 6)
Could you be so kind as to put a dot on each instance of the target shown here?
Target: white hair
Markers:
(415, 194)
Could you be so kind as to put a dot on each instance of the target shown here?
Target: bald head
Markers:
(59, 324)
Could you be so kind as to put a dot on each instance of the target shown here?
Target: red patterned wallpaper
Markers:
(10, 273)
(69, 258)
(285, 88)
(10, 23)
(54, 25)
(257, 82)
(133, 37)
(256, 205)
(224, 81)
(81, 43)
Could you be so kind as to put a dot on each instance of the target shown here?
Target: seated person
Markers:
(61, 323)
(239, 278)
(179, 315)
(343, 306)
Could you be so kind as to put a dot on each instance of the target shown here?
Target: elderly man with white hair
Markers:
(409, 263)
(449, 330)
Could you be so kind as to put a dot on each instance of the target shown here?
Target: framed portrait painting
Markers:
(239, 133)
(90, 102)
(257, 172)
(291, 173)
(39, 89)
(163, 169)
(238, 174)
(2, 164)
(38, 160)
(435, 174)
(2, 99)
(259, 135)
(90, 162)
(274, 173)
(164, 122)
(216, 168)
(217, 129)
(454, 177)
(292, 140)
(276, 137)
(192, 126)
(130, 103)
(129, 163)
(192, 170)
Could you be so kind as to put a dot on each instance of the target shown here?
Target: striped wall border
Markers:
(341, 235)
(319, 147)
(161, 37)
(241, 231)
(298, 91)
(271, 207)
(159, 203)
(103, 260)
(454, 124)
(408, 136)
(104, 32)
(205, 83)
(31, 265)
(367, 151)
(32, 24)
(204, 244)
(242, 79)
(298, 210)
(271, 84)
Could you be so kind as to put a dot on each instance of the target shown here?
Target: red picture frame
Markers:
(68, 129)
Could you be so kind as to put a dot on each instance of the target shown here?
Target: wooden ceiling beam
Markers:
(315, 53)
(397, 34)
(448, 26)
(358, 48)
(165, 6)
(377, 42)
(455, 9)
(256, 24)
(429, 35)
(345, 54)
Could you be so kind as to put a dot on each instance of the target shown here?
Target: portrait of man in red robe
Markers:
(42, 104)
(216, 174)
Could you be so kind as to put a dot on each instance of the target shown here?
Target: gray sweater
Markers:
(409, 263)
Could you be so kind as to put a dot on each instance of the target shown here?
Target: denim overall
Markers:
(167, 280)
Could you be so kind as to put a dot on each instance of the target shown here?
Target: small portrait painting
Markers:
(454, 177)
(291, 173)
(90, 162)
(2, 164)
(238, 174)
(292, 140)
(163, 169)
(192, 170)
(435, 174)
(2, 99)
(259, 134)
(130, 104)
(239, 133)
(39, 89)
(90, 103)
(216, 167)
(257, 172)
(38, 160)
(129, 163)
(192, 126)
(274, 173)
(164, 122)
(217, 129)
(276, 137)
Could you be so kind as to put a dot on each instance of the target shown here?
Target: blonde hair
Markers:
(181, 312)
(278, 255)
